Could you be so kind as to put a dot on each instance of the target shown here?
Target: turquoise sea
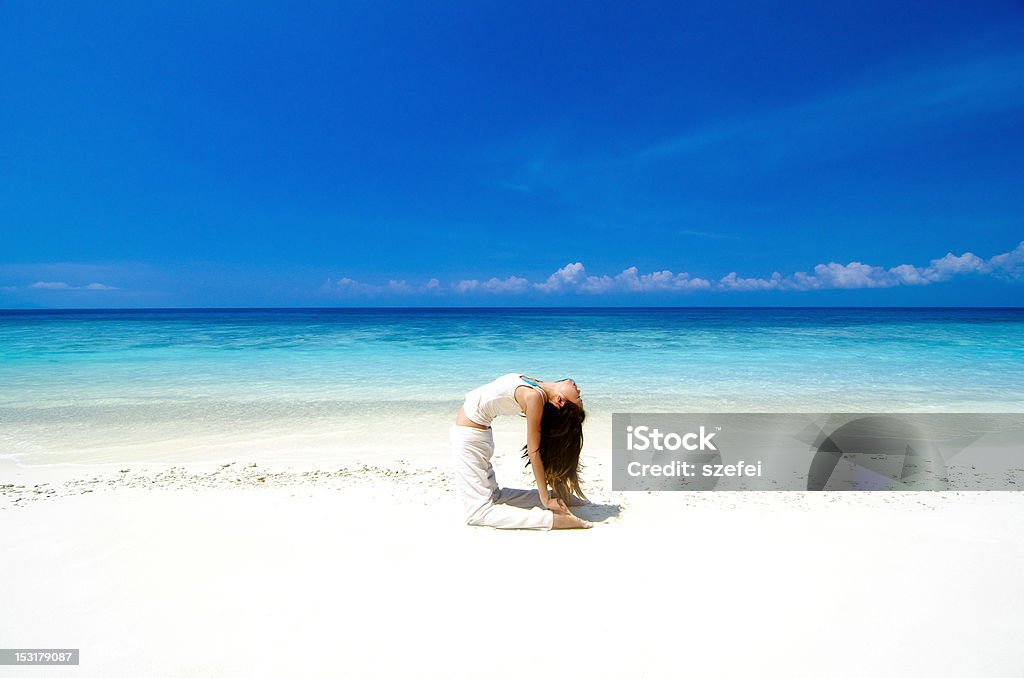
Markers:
(94, 386)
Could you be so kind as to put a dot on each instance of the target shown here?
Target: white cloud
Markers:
(350, 287)
(399, 287)
(346, 286)
(509, 285)
(630, 280)
(1008, 265)
(849, 276)
(857, 275)
(574, 279)
(734, 282)
(570, 275)
(64, 286)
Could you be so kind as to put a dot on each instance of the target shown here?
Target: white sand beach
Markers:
(229, 569)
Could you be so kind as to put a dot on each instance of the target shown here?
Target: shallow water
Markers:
(165, 385)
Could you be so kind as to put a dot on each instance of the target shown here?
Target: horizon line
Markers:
(483, 308)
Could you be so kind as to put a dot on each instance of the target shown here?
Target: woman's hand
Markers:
(556, 505)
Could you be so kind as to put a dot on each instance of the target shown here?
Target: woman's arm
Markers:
(534, 413)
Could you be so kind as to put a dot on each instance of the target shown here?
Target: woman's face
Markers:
(568, 391)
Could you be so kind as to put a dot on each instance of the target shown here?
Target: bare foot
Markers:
(567, 521)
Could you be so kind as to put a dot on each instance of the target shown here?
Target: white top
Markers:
(486, 402)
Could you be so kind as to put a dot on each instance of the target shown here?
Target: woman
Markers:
(554, 438)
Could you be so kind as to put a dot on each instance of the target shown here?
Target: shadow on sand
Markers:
(597, 513)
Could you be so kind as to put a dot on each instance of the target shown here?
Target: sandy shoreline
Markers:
(214, 569)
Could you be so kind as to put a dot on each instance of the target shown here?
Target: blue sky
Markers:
(511, 154)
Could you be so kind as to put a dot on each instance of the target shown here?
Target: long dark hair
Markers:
(561, 441)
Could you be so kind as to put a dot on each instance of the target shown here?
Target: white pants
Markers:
(483, 502)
